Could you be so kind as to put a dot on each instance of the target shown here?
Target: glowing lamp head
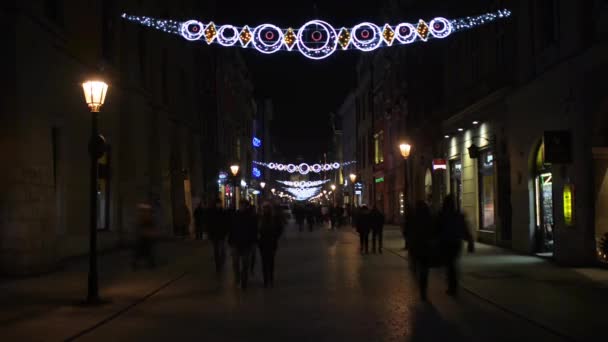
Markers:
(234, 169)
(353, 177)
(333, 187)
(263, 185)
(273, 190)
(95, 94)
(405, 150)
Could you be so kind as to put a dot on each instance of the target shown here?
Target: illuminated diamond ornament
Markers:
(388, 34)
(245, 36)
(210, 33)
(344, 38)
(423, 30)
(289, 38)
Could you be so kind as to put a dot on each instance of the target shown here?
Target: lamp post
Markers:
(333, 190)
(95, 95)
(353, 179)
(263, 185)
(234, 169)
(406, 150)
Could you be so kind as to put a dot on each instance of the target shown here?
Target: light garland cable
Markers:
(317, 39)
(304, 184)
(304, 168)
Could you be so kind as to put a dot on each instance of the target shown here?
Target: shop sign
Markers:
(379, 180)
(440, 164)
(568, 204)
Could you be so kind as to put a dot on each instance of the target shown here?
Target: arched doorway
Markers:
(543, 204)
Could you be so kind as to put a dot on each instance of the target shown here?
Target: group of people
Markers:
(435, 240)
(245, 231)
(369, 221)
(312, 215)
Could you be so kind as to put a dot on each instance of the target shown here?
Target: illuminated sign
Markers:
(257, 142)
(568, 204)
(439, 164)
(379, 180)
(256, 172)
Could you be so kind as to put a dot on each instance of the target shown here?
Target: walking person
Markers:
(242, 238)
(199, 220)
(420, 233)
(363, 228)
(453, 229)
(270, 230)
(377, 224)
(147, 232)
(310, 217)
(299, 214)
(217, 230)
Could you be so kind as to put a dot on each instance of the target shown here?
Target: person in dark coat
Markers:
(310, 217)
(420, 234)
(377, 225)
(363, 228)
(269, 232)
(217, 230)
(199, 220)
(453, 229)
(147, 232)
(242, 238)
(300, 214)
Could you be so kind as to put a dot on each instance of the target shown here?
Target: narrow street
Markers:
(325, 291)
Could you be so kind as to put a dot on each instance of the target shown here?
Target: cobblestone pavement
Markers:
(324, 291)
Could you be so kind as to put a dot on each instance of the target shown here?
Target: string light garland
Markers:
(303, 194)
(317, 39)
(304, 184)
(303, 168)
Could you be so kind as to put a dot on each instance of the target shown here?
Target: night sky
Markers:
(304, 91)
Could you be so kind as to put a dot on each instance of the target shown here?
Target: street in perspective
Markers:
(308, 171)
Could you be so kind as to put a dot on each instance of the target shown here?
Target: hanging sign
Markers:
(568, 204)
(439, 164)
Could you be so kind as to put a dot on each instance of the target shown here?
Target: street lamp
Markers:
(353, 179)
(263, 185)
(406, 150)
(333, 190)
(95, 95)
(234, 169)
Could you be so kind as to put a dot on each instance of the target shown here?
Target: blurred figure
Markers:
(299, 214)
(340, 215)
(453, 230)
(242, 238)
(363, 228)
(217, 230)
(420, 233)
(147, 232)
(199, 220)
(377, 225)
(310, 217)
(270, 230)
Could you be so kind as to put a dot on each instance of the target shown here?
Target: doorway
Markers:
(543, 197)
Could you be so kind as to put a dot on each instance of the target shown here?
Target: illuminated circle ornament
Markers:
(227, 35)
(304, 168)
(192, 30)
(405, 33)
(292, 168)
(366, 36)
(440, 28)
(267, 38)
(317, 39)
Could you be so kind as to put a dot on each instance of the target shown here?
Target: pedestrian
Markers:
(363, 228)
(310, 217)
(300, 214)
(377, 224)
(242, 238)
(146, 233)
(217, 230)
(420, 233)
(453, 229)
(199, 220)
(270, 230)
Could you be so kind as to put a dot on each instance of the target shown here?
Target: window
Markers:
(107, 29)
(164, 65)
(54, 11)
(142, 51)
(379, 148)
(456, 181)
(486, 191)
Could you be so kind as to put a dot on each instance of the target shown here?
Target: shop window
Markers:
(486, 191)
(456, 181)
